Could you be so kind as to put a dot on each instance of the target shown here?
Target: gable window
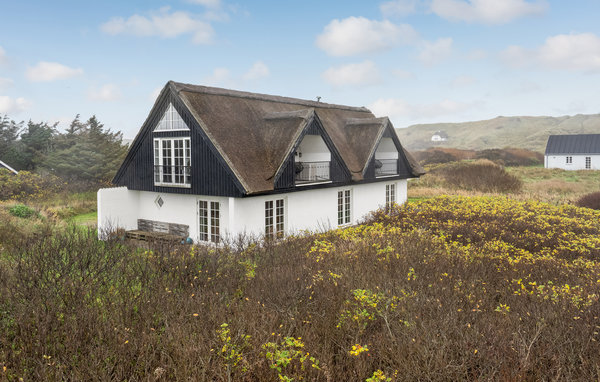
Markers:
(588, 163)
(390, 195)
(172, 162)
(274, 218)
(569, 160)
(209, 221)
(344, 207)
(171, 121)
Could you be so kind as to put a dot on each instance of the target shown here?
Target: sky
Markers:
(415, 61)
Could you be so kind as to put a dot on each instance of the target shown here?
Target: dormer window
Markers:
(172, 162)
(312, 161)
(171, 121)
(386, 158)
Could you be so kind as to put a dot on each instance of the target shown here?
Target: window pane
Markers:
(214, 222)
(203, 219)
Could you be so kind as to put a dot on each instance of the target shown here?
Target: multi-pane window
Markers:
(390, 194)
(274, 218)
(344, 210)
(172, 161)
(569, 160)
(171, 120)
(588, 163)
(209, 217)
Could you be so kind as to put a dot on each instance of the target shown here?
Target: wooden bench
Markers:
(150, 230)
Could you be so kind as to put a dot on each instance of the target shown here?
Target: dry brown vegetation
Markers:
(444, 289)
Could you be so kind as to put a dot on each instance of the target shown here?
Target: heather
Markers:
(449, 288)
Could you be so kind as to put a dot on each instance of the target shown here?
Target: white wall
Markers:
(313, 149)
(560, 161)
(386, 149)
(304, 210)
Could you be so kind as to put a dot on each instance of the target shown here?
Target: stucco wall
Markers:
(560, 161)
(312, 210)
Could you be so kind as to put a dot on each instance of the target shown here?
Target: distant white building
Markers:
(439, 136)
(573, 152)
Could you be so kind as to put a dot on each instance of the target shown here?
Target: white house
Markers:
(4, 165)
(573, 152)
(211, 162)
(439, 136)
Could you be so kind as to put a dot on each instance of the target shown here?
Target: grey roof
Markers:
(4, 165)
(573, 144)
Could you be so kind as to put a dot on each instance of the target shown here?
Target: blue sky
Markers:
(416, 61)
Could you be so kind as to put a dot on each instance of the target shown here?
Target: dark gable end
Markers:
(573, 144)
(210, 173)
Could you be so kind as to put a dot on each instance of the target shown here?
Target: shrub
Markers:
(591, 200)
(511, 157)
(26, 185)
(22, 211)
(483, 176)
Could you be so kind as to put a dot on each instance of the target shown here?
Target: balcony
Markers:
(178, 176)
(312, 172)
(386, 167)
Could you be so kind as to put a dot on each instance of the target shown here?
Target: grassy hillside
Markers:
(450, 288)
(522, 132)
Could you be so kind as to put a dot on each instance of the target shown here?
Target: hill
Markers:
(521, 132)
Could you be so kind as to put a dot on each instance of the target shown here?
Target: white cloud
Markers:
(6, 83)
(219, 77)
(462, 81)
(486, 11)
(579, 52)
(207, 3)
(434, 52)
(9, 105)
(399, 108)
(477, 54)
(106, 93)
(257, 71)
(398, 7)
(361, 74)
(358, 35)
(402, 74)
(162, 24)
(51, 71)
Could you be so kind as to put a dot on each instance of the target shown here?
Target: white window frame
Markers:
(390, 194)
(275, 218)
(209, 221)
(588, 163)
(177, 178)
(569, 160)
(344, 207)
(171, 121)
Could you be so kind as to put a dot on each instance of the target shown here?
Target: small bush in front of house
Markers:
(22, 211)
(483, 176)
(591, 200)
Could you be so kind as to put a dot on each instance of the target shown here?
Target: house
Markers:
(439, 136)
(4, 165)
(211, 162)
(573, 152)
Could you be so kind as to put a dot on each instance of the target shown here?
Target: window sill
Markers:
(173, 185)
(309, 183)
(385, 176)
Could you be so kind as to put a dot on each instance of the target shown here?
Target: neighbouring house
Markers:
(211, 162)
(439, 136)
(573, 152)
(4, 165)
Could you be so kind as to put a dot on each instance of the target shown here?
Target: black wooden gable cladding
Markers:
(403, 163)
(210, 175)
(339, 173)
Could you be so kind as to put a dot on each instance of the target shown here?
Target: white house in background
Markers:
(573, 152)
(439, 136)
(4, 165)
(210, 162)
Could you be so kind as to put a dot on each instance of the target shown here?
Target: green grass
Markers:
(85, 219)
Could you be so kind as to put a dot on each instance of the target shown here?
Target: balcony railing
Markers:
(172, 175)
(386, 167)
(312, 172)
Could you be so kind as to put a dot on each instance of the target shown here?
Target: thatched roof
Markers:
(255, 133)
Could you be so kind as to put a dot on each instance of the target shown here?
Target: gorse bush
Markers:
(483, 176)
(438, 290)
(27, 186)
(591, 200)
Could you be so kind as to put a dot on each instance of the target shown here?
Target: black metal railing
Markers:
(179, 175)
(385, 167)
(309, 172)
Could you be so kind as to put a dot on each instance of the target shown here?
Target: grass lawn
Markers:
(89, 218)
